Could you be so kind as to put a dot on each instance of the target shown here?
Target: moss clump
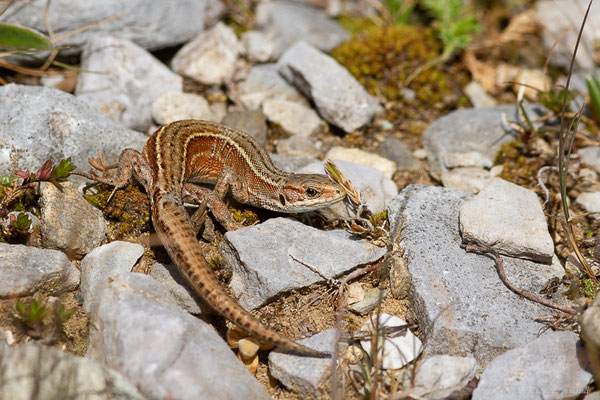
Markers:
(519, 168)
(382, 58)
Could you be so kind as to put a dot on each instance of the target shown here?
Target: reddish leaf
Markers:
(23, 174)
(44, 172)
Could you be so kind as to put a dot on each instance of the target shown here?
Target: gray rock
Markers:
(69, 222)
(591, 156)
(550, 367)
(126, 88)
(264, 82)
(469, 180)
(33, 371)
(470, 130)
(590, 201)
(259, 48)
(441, 375)
(305, 375)
(395, 150)
(25, 270)
(295, 118)
(286, 22)
(262, 265)
(374, 187)
(170, 278)
(175, 106)
(299, 146)
(57, 126)
(211, 57)
(161, 25)
(373, 297)
(590, 323)
(252, 122)
(338, 97)
(461, 304)
(102, 264)
(291, 163)
(563, 17)
(172, 353)
(509, 219)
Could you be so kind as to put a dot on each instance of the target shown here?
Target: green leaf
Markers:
(22, 222)
(63, 170)
(594, 89)
(15, 37)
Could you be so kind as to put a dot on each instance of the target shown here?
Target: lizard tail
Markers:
(172, 225)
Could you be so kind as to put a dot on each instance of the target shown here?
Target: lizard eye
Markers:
(282, 200)
(311, 192)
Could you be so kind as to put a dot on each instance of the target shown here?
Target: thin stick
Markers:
(473, 248)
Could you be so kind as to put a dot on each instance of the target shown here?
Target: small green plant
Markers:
(593, 85)
(32, 314)
(21, 223)
(454, 22)
(553, 99)
(399, 11)
(62, 314)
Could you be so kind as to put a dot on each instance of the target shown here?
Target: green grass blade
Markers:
(15, 37)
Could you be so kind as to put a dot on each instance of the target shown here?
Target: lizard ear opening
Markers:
(282, 200)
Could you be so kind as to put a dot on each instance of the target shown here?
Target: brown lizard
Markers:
(183, 152)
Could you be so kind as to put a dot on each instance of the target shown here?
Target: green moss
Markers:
(589, 288)
(383, 58)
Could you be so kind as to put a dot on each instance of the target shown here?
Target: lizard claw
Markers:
(98, 163)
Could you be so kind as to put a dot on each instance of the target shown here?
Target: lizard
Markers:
(180, 154)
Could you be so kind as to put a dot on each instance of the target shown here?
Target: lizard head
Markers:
(307, 192)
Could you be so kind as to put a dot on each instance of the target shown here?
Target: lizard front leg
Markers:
(131, 164)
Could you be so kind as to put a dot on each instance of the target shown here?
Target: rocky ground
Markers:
(457, 168)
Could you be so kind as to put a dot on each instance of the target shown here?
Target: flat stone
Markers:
(252, 122)
(469, 180)
(509, 219)
(172, 353)
(127, 88)
(102, 264)
(399, 348)
(175, 106)
(286, 22)
(33, 371)
(558, 19)
(372, 298)
(262, 265)
(211, 57)
(171, 279)
(161, 25)
(295, 118)
(395, 150)
(58, 126)
(590, 201)
(264, 82)
(471, 130)
(441, 375)
(259, 48)
(25, 270)
(374, 187)
(552, 366)
(69, 222)
(357, 156)
(462, 306)
(305, 375)
(591, 156)
(467, 159)
(337, 95)
(478, 97)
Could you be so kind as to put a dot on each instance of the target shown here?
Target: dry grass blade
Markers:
(334, 173)
(566, 138)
